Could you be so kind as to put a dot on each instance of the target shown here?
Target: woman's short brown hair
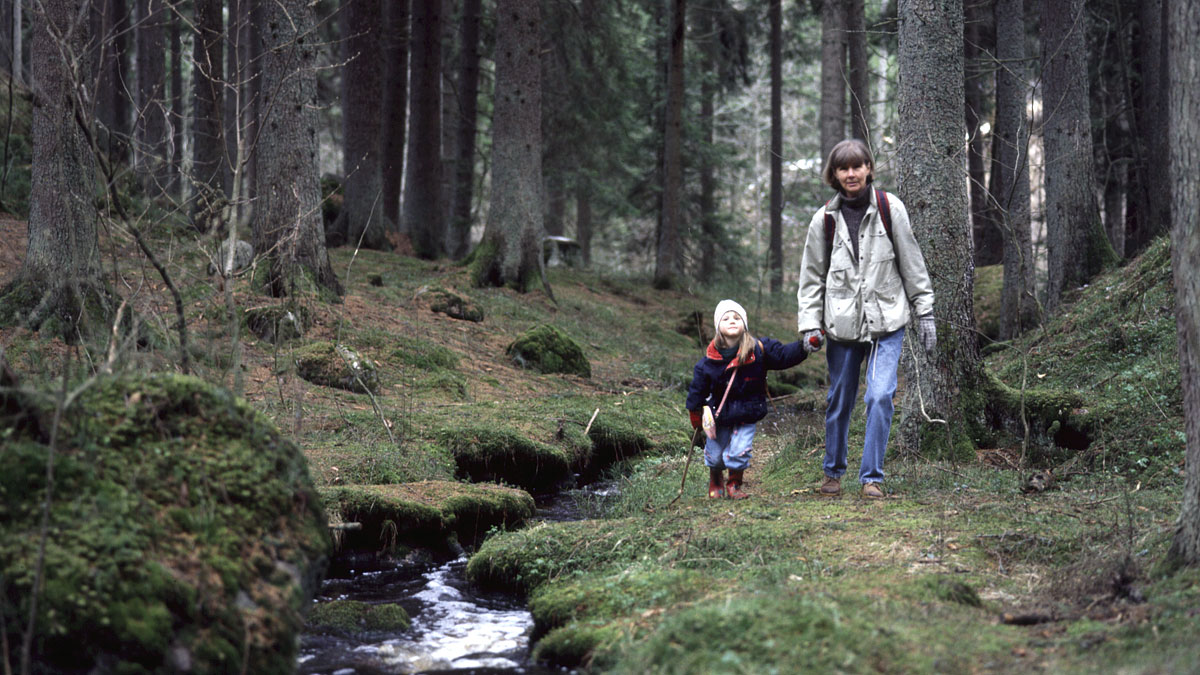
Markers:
(850, 152)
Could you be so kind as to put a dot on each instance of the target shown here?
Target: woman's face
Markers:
(853, 178)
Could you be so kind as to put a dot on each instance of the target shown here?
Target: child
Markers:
(734, 353)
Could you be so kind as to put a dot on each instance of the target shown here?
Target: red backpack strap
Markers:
(885, 212)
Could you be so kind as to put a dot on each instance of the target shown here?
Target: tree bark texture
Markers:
(175, 119)
(208, 133)
(931, 165)
(1076, 245)
(361, 219)
(776, 246)
(666, 260)
(60, 276)
(510, 254)
(468, 121)
(395, 108)
(1184, 101)
(832, 118)
(977, 66)
(287, 222)
(423, 211)
(112, 101)
(1150, 107)
(705, 28)
(1010, 172)
(860, 89)
(151, 115)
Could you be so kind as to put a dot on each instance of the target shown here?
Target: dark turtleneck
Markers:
(853, 210)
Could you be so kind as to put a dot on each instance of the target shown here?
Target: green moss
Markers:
(455, 306)
(171, 495)
(500, 454)
(338, 366)
(278, 323)
(547, 349)
(574, 646)
(423, 354)
(351, 616)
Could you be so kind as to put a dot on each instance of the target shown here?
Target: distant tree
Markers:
(208, 137)
(1077, 247)
(511, 251)
(1184, 126)
(666, 260)
(1149, 214)
(175, 124)
(708, 44)
(858, 74)
(287, 221)
(59, 286)
(423, 210)
(468, 122)
(832, 120)
(151, 116)
(776, 244)
(360, 220)
(978, 66)
(112, 101)
(395, 107)
(1010, 171)
(930, 165)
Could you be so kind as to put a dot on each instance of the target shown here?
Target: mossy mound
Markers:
(331, 365)
(186, 533)
(486, 454)
(278, 323)
(547, 349)
(989, 299)
(347, 617)
(427, 514)
(455, 306)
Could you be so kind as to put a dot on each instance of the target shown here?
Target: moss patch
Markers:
(487, 454)
(547, 349)
(331, 365)
(455, 306)
(425, 513)
(278, 323)
(182, 520)
(348, 617)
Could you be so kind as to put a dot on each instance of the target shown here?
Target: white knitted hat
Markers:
(729, 306)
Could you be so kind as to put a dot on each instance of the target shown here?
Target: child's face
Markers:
(731, 326)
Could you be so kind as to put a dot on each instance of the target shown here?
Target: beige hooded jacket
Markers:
(861, 300)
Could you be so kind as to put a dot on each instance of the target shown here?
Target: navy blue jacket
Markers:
(747, 400)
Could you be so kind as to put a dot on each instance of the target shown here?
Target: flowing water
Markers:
(455, 628)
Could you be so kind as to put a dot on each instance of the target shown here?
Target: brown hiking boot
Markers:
(831, 487)
(733, 488)
(872, 491)
(716, 483)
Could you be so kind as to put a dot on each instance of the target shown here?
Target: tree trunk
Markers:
(707, 123)
(1184, 99)
(112, 102)
(1077, 247)
(1150, 107)
(59, 286)
(175, 185)
(360, 221)
(464, 166)
(151, 118)
(666, 260)
(583, 218)
(931, 165)
(18, 49)
(1010, 171)
(208, 137)
(449, 107)
(776, 247)
(977, 65)
(287, 222)
(511, 251)
(423, 168)
(832, 119)
(234, 96)
(395, 108)
(860, 94)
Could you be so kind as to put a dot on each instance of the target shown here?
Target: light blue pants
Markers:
(845, 360)
(731, 448)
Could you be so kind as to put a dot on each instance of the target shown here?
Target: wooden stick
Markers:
(589, 424)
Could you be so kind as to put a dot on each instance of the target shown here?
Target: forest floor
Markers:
(958, 570)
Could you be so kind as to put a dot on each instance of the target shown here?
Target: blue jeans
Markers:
(845, 361)
(731, 448)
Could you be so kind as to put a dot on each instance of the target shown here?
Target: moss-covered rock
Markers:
(547, 349)
(186, 534)
(331, 365)
(347, 617)
(278, 323)
(486, 454)
(455, 306)
(426, 514)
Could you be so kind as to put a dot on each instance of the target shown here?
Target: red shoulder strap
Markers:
(885, 211)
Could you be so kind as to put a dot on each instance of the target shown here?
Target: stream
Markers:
(455, 628)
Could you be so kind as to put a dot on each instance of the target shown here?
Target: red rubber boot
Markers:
(716, 483)
(733, 488)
